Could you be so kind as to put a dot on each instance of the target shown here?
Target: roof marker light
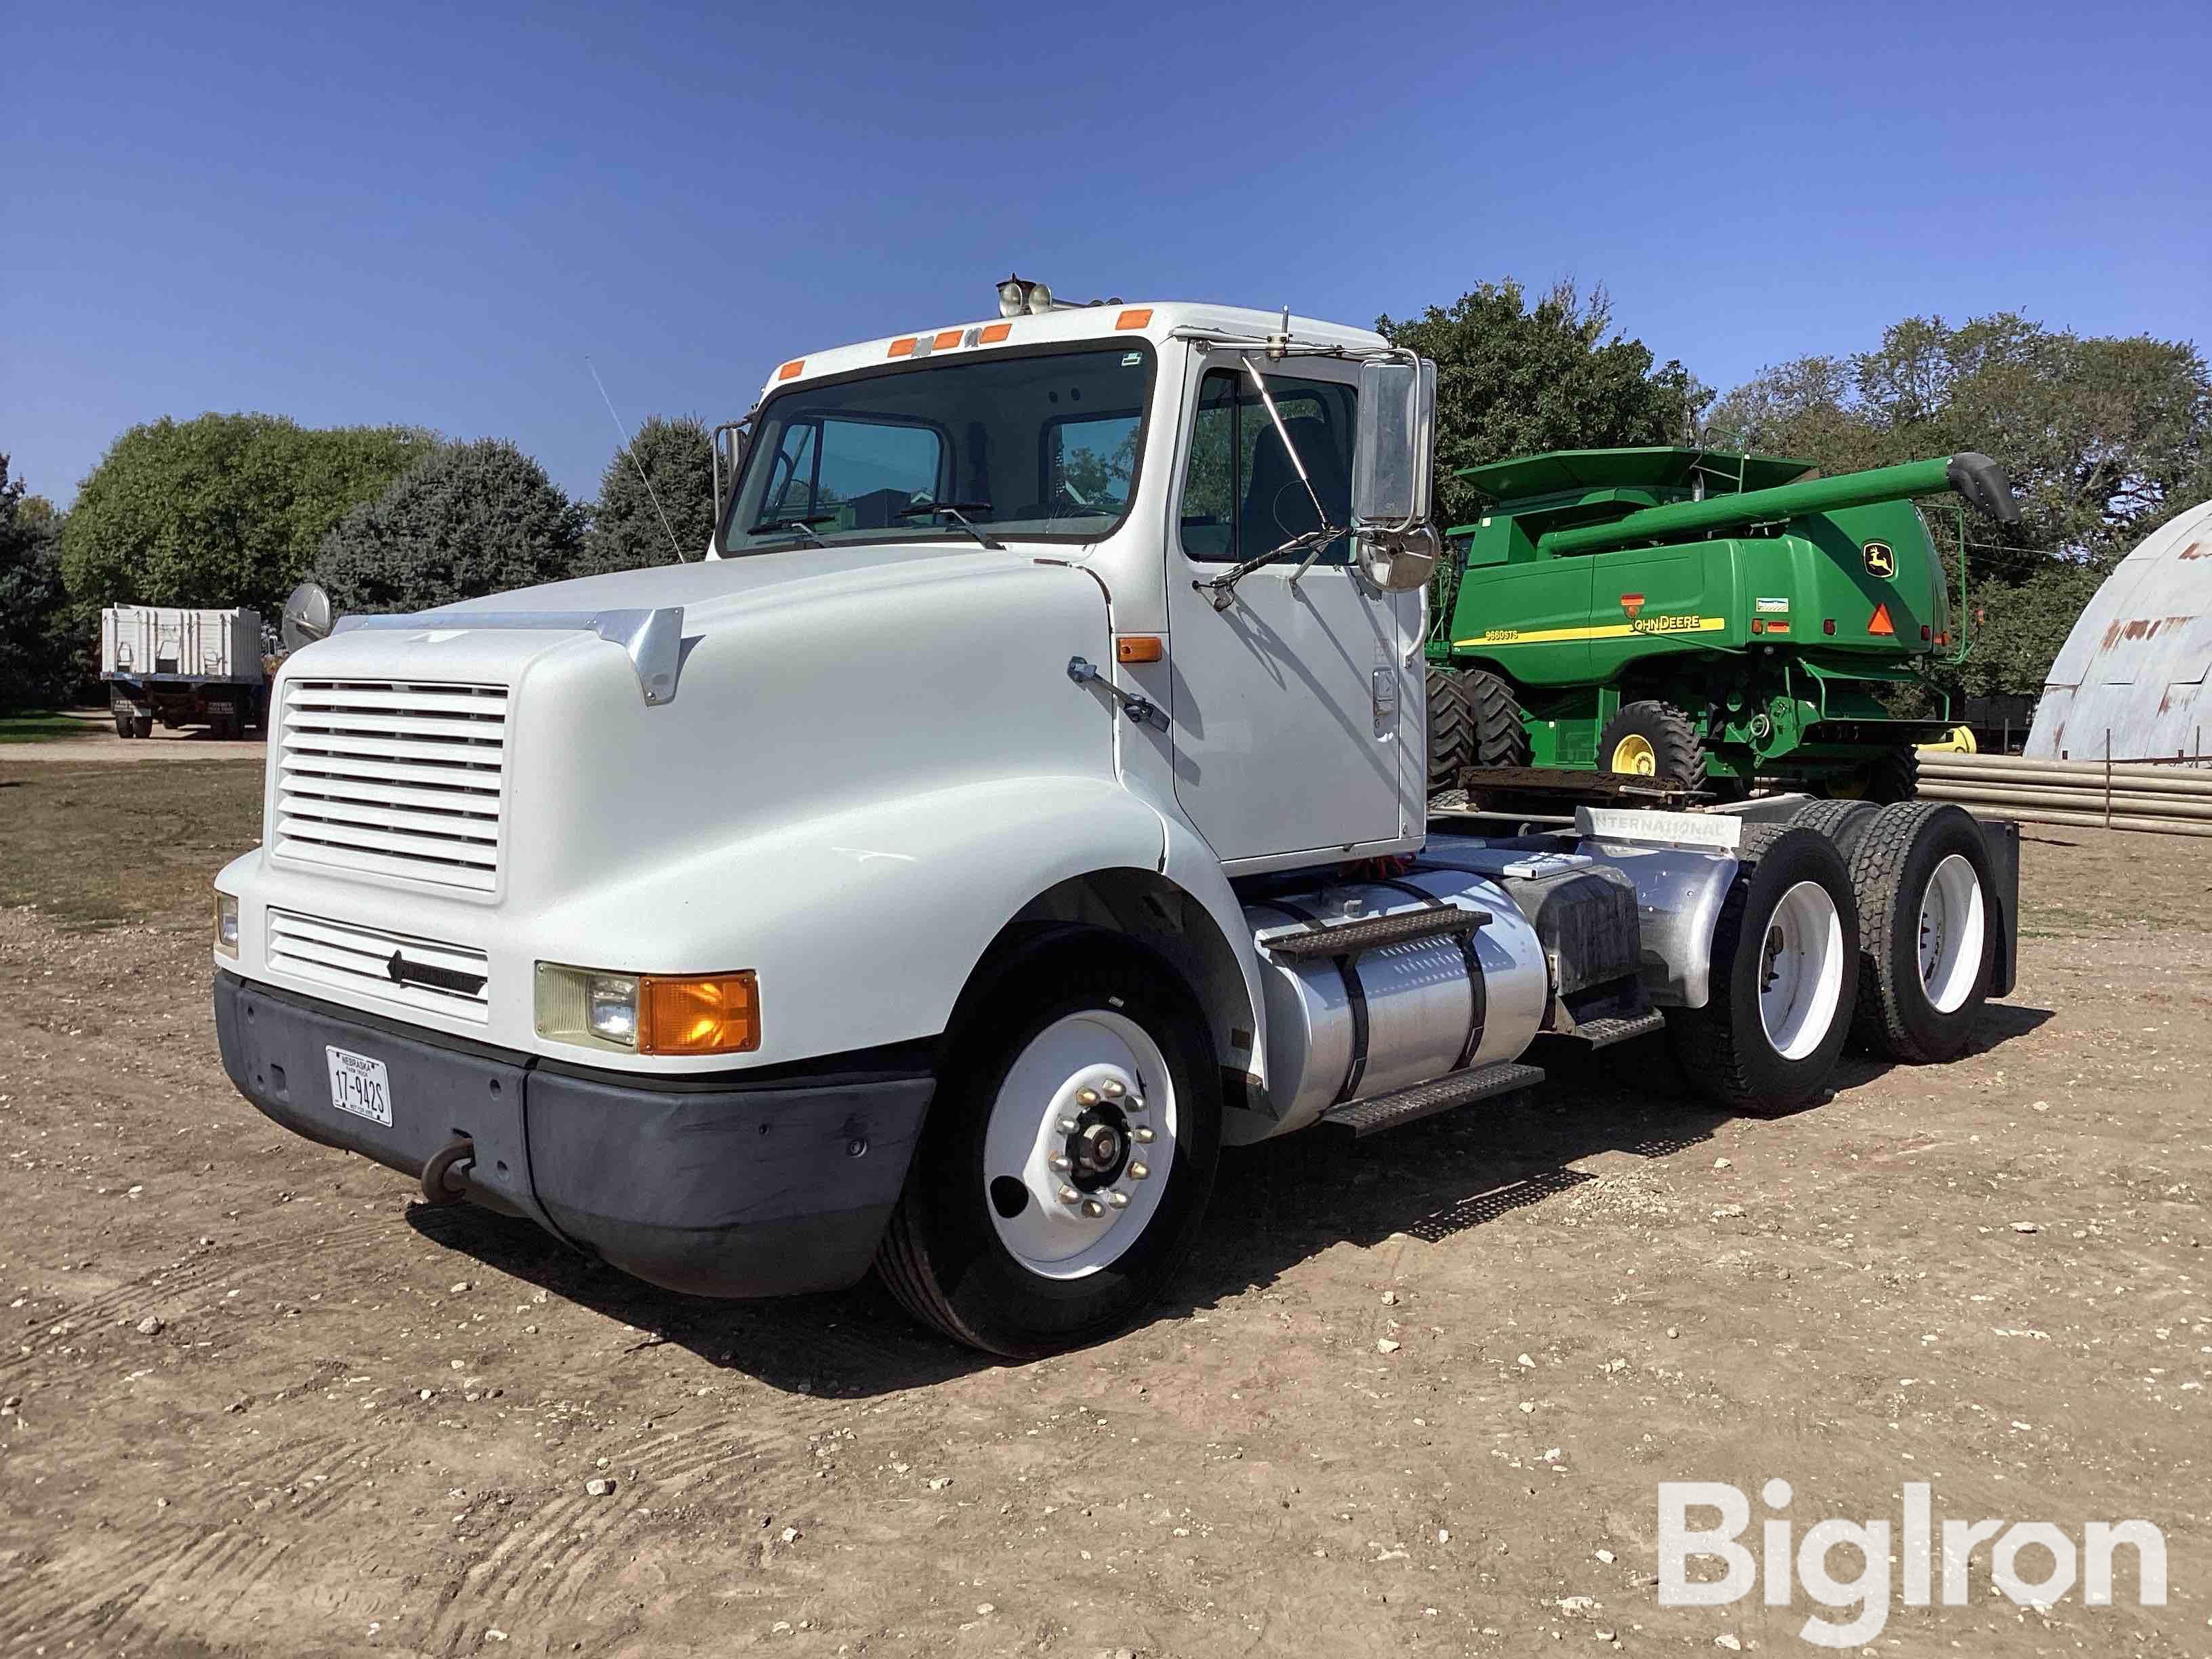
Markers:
(902, 347)
(944, 339)
(1139, 318)
(991, 333)
(791, 370)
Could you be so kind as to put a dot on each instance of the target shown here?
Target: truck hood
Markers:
(715, 590)
(810, 685)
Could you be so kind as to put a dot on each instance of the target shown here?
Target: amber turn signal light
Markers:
(699, 1014)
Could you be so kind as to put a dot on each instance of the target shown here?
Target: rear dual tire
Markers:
(1783, 978)
(1929, 924)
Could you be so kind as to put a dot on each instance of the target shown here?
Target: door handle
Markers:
(1385, 684)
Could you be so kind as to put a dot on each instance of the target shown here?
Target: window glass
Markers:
(1241, 494)
(1043, 443)
(1094, 462)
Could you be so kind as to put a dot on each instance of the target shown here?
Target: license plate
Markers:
(361, 1085)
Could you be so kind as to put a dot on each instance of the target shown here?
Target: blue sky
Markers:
(434, 214)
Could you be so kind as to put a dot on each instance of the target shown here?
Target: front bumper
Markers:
(741, 1185)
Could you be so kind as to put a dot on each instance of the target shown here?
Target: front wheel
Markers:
(1068, 1155)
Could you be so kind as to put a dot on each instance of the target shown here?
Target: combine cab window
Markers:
(1241, 496)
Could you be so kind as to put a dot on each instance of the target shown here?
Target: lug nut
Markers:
(1144, 1134)
(1086, 1096)
(1118, 1199)
(1139, 1171)
(1093, 1208)
(1067, 1126)
(1134, 1103)
(1062, 1162)
(1111, 1090)
(1068, 1195)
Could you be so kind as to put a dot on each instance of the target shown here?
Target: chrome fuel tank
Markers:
(1413, 1003)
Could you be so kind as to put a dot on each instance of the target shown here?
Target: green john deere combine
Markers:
(1695, 616)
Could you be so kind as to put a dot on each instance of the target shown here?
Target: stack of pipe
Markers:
(2171, 799)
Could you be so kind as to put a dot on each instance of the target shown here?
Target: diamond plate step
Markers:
(1364, 1117)
(1604, 1033)
(1371, 932)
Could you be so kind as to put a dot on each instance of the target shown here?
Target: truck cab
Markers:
(1022, 799)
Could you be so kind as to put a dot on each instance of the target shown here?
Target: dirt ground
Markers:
(97, 742)
(259, 1403)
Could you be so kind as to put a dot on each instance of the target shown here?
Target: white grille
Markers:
(394, 777)
(446, 979)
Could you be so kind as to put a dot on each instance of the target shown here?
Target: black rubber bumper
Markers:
(746, 1184)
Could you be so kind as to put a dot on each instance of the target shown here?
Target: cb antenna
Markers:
(622, 435)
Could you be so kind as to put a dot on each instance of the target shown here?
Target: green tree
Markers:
(2105, 440)
(1516, 379)
(469, 519)
(43, 656)
(223, 509)
(627, 533)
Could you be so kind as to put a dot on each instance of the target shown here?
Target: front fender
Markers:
(863, 925)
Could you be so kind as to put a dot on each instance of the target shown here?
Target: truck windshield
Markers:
(1042, 444)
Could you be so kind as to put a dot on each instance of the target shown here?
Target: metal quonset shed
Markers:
(2136, 661)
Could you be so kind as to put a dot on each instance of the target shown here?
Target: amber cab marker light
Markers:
(1139, 647)
(1139, 318)
(698, 1014)
(790, 370)
(995, 333)
(903, 348)
(944, 339)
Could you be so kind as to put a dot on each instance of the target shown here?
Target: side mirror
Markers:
(730, 438)
(1396, 446)
(1393, 460)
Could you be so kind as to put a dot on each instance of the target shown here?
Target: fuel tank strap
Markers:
(1355, 995)
(1478, 997)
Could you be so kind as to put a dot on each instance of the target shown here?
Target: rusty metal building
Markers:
(2133, 670)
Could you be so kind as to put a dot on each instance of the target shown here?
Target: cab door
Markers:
(1293, 702)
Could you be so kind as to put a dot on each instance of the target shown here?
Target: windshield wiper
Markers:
(956, 511)
(1223, 588)
(804, 527)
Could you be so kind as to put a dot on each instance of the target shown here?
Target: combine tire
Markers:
(1451, 730)
(1500, 739)
(1893, 775)
(1843, 822)
(1929, 927)
(1068, 1155)
(1653, 739)
(1783, 987)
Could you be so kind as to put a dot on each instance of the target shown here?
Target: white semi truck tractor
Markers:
(1023, 800)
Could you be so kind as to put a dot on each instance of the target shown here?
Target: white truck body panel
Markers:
(145, 641)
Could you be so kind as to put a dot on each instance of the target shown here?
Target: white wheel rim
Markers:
(1951, 923)
(1094, 1069)
(1801, 970)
